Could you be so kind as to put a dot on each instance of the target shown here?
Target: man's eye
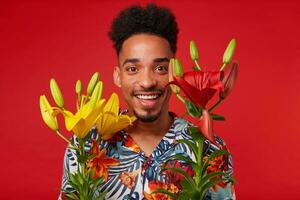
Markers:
(161, 68)
(131, 69)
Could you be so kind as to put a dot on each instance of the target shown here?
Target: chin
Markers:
(150, 117)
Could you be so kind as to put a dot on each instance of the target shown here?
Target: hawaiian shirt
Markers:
(137, 175)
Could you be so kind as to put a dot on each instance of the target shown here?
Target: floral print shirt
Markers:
(137, 175)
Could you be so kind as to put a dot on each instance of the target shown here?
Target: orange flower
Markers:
(128, 179)
(154, 185)
(129, 143)
(100, 163)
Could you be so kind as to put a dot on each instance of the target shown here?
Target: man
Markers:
(145, 41)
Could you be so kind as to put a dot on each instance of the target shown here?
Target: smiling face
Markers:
(142, 75)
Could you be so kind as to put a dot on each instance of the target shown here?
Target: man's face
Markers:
(142, 75)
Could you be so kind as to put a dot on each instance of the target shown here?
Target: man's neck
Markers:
(147, 135)
(158, 127)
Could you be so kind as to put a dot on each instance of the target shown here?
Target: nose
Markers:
(148, 80)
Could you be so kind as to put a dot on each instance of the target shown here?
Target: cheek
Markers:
(126, 86)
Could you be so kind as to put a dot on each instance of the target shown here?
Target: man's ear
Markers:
(116, 75)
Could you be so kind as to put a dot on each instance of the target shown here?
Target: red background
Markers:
(68, 40)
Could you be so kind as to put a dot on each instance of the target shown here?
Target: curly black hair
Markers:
(152, 20)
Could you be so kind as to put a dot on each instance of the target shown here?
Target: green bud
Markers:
(193, 50)
(78, 87)
(92, 83)
(229, 51)
(56, 93)
(97, 93)
(177, 68)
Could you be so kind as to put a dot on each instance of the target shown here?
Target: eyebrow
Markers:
(136, 60)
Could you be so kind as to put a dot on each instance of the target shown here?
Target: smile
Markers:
(148, 96)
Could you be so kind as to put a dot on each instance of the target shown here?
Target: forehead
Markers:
(145, 47)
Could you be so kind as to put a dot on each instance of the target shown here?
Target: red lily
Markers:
(200, 86)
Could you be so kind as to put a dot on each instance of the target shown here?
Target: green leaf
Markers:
(190, 144)
(217, 117)
(164, 191)
(185, 159)
(183, 173)
(73, 181)
(91, 156)
(209, 176)
(82, 159)
(196, 134)
(208, 185)
(72, 196)
(101, 196)
(192, 109)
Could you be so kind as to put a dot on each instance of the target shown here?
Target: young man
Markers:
(145, 40)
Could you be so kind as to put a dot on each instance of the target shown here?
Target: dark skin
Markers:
(142, 76)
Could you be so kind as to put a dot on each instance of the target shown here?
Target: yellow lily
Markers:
(87, 115)
(48, 113)
(110, 122)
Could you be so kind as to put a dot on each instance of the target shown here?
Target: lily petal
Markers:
(229, 81)
(46, 112)
(206, 126)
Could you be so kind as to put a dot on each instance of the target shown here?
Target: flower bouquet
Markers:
(199, 87)
(92, 110)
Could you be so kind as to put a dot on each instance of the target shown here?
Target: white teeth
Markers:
(147, 97)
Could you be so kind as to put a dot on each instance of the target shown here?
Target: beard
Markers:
(151, 117)
(147, 118)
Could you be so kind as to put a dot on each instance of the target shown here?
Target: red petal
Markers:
(206, 126)
(201, 80)
(199, 97)
(229, 80)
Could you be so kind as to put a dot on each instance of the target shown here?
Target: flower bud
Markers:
(46, 112)
(171, 73)
(177, 68)
(193, 50)
(229, 81)
(78, 87)
(92, 83)
(97, 93)
(229, 51)
(56, 93)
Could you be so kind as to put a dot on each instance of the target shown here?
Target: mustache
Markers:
(153, 90)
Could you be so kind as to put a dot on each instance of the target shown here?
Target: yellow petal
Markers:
(113, 124)
(46, 110)
(80, 124)
(112, 104)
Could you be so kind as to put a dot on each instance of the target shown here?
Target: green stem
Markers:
(199, 158)
(223, 66)
(216, 105)
(197, 65)
(180, 98)
(62, 137)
